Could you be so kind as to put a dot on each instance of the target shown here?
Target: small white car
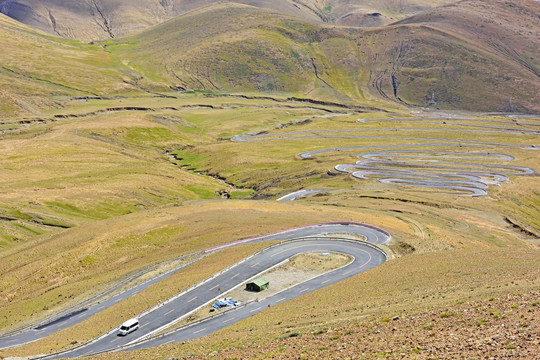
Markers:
(129, 326)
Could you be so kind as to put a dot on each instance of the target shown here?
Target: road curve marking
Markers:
(311, 233)
(404, 164)
(293, 248)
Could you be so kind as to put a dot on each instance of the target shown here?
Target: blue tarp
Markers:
(221, 303)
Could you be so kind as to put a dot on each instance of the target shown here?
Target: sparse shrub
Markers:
(290, 335)
(495, 313)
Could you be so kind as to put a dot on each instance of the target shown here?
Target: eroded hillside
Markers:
(138, 153)
(39, 72)
(470, 55)
(101, 19)
(442, 59)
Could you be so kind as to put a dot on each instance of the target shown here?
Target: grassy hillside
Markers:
(443, 59)
(39, 71)
(103, 19)
(448, 58)
(239, 48)
(483, 53)
(96, 159)
(115, 157)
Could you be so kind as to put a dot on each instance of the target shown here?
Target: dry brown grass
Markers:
(93, 165)
(498, 327)
(119, 159)
(55, 270)
(129, 205)
(406, 287)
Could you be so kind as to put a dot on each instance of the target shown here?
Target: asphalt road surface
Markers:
(77, 313)
(308, 238)
(401, 160)
(365, 257)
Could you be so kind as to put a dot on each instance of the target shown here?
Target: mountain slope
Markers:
(101, 19)
(439, 59)
(367, 13)
(470, 55)
(239, 48)
(38, 70)
(476, 53)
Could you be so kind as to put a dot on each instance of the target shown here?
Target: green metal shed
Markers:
(257, 285)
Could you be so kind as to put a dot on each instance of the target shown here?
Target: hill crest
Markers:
(89, 20)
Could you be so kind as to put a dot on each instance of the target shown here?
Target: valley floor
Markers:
(97, 192)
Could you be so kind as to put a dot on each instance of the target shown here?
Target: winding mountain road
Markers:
(365, 257)
(402, 160)
(321, 237)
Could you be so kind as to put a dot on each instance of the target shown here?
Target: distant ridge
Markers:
(89, 20)
(471, 55)
(449, 57)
